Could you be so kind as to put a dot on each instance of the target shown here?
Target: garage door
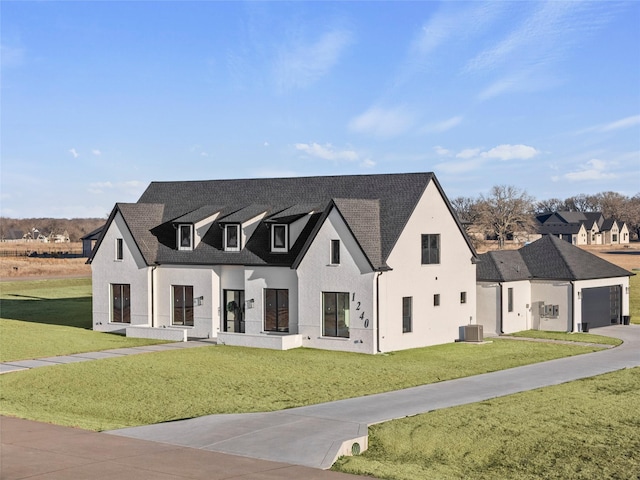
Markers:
(601, 306)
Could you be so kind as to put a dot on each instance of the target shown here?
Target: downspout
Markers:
(573, 306)
(501, 307)
(153, 300)
(378, 312)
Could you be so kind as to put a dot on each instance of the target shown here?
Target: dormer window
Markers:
(232, 237)
(185, 237)
(279, 238)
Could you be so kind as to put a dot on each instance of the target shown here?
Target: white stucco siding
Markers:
(519, 318)
(107, 270)
(454, 274)
(488, 307)
(549, 292)
(256, 280)
(353, 276)
(203, 280)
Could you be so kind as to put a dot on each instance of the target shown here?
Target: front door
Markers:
(234, 311)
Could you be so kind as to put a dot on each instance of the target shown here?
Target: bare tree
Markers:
(551, 205)
(581, 203)
(632, 215)
(506, 210)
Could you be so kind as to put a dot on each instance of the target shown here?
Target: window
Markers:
(120, 303)
(335, 252)
(406, 314)
(279, 238)
(119, 249)
(276, 310)
(614, 237)
(183, 305)
(510, 299)
(232, 238)
(463, 297)
(430, 249)
(185, 237)
(335, 307)
(436, 300)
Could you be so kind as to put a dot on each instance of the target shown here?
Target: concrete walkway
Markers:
(39, 451)
(316, 435)
(17, 365)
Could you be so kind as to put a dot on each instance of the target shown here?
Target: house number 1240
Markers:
(361, 314)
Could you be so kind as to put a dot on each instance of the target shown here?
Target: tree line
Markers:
(506, 210)
(76, 228)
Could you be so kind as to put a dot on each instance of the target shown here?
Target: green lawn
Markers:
(568, 337)
(164, 386)
(585, 429)
(43, 318)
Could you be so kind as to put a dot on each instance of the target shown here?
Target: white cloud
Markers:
(441, 150)
(129, 187)
(468, 153)
(460, 167)
(383, 122)
(96, 152)
(74, 152)
(265, 144)
(328, 152)
(444, 125)
(299, 65)
(511, 152)
(623, 123)
(593, 170)
(616, 125)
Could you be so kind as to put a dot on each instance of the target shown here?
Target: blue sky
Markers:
(100, 98)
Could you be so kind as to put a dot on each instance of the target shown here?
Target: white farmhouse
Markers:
(363, 263)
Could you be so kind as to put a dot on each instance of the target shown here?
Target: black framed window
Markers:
(407, 314)
(279, 237)
(185, 237)
(335, 308)
(276, 310)
(119, 249)
(120, 303)
(335, 252)
(436, 300)
(463, 297)
(510, 299)
(430, 248)
(232, 238)
(183, 305)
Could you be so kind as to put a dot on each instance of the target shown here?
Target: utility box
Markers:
(473, 333)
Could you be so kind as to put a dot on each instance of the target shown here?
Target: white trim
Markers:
(284, 249)
(239, 238)
(190, 227)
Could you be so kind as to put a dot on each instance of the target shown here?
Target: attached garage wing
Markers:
(601, 306)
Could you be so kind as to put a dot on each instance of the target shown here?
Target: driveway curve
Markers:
(317, 435)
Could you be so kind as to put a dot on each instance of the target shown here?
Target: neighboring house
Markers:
(90, 240)
(13, 235)
(549, 285)
(597, 230)
(364, 263)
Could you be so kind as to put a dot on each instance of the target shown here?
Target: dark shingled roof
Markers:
(375, 208)
(502, 266)
(550, 259)
(198, 214)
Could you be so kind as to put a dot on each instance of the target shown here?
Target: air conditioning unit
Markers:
(473, 333)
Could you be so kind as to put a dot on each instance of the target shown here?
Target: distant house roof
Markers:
(375, 208)
(548, 258)
(94, 234)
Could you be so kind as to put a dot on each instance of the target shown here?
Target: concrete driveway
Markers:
(316, 435)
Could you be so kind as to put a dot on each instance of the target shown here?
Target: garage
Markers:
(601, 306)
